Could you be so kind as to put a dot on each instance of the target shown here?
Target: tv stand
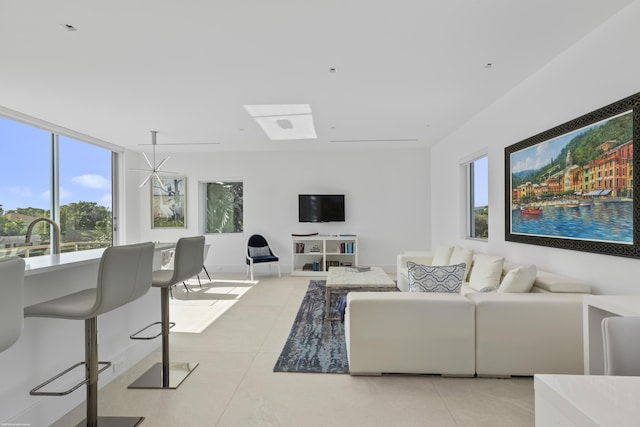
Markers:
(313, 255)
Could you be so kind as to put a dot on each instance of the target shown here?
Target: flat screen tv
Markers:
(321, 207)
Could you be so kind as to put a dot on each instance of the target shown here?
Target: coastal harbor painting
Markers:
(575, 186)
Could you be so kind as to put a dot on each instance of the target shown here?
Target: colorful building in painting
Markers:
(610, 174)
(613, 170)
(555, 183)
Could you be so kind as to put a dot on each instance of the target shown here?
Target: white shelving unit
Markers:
(313, 255)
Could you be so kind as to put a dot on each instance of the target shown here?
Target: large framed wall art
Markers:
(168, 202)
(576, 186)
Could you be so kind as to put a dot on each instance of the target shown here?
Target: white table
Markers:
(341, 280)
(584, 400)
(595, 309)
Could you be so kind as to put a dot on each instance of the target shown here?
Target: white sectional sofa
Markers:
(415, 333)
(466, 333)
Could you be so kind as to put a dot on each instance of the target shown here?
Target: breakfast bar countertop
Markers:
(48, 263)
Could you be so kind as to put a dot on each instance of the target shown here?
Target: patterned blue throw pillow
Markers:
(429, 278)
(255, 252)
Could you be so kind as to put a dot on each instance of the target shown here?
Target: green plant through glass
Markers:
(224, 207)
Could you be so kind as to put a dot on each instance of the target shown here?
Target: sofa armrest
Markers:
(556, 283)
(416, 333)
(528, 333)
(419, 257)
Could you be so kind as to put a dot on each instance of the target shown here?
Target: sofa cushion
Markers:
(520, 279)
(486, 271)
(442, 255)
(462, 255)
(428, 278)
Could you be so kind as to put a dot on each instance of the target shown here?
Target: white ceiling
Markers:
(405, 69)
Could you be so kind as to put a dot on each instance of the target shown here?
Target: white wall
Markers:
(602, 68)
(386, 201)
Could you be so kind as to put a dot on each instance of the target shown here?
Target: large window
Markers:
(223, 207)
(478, 214)
(47, 177)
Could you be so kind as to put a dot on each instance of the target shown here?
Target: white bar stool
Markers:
(11, 302)
(124, 275)
(188, 261)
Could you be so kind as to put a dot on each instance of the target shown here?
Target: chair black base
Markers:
(154, 377)
(116, 422)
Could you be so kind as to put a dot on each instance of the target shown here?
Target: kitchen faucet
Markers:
(56, 233)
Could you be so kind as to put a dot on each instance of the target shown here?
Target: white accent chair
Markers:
(621, 339)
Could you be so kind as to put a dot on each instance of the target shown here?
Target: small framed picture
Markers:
(168, 202)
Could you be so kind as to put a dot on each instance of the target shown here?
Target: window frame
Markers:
(54, 180)
(470, 214)
(203, 183)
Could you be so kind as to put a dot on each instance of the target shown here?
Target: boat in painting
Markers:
(531, 211)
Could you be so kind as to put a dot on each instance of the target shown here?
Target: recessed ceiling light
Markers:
(69, 27)
(284, 123)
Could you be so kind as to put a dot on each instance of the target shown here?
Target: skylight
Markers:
(284, 121)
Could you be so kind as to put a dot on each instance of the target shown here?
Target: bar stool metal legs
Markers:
(91, 367)
(188, 261)
(92, 370)
(166, 374)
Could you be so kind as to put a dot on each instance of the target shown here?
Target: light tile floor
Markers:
(235, 384)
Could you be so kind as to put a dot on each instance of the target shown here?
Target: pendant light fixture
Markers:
(153, 168)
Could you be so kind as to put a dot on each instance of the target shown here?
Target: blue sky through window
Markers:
(85, 169)
(481, 182)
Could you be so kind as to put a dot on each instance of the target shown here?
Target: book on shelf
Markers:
(312, 266)
(345, 248)
(331, 263)
(358, 268)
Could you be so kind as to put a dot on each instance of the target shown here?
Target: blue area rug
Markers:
(313, 344)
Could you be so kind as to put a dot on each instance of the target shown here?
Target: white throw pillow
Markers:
(460, 255)
(442, 255)
(486, 271)
(520, 279)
